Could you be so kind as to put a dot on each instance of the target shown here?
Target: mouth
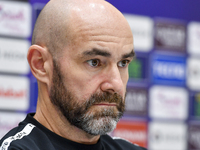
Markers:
(106, 104)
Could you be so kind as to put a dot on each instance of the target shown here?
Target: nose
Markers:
(112, 81)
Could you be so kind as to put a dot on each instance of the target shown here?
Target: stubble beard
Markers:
(79, 112)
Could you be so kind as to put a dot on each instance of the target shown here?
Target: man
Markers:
(80, 54)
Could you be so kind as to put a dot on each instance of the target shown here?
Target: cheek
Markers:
(81, 84)
(125, 78)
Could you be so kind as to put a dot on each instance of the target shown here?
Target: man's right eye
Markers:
(94, 62)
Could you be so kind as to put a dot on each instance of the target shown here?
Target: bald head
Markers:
(91, 44)
(60, 22)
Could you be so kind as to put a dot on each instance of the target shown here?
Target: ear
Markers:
(40, 62)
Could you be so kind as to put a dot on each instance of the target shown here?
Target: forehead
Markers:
(101, 29)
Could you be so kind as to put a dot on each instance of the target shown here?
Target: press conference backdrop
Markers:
(163, 92)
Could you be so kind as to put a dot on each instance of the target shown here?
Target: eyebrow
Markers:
(97, 52)
(131, 55)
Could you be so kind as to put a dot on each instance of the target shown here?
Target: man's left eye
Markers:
(123, 63)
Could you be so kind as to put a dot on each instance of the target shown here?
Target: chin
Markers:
(100, 126)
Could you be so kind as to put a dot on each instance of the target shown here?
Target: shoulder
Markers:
(25, 136)
(122, 143)
(16, 136)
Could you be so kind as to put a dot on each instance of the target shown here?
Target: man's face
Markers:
(90, 76)
(79, 113)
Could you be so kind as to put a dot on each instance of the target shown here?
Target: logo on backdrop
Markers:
(13, 54)
(167, 136)
(136, 102)
(15, 19)
(168, 102)
(14, 93)
(135, 132)
(168, 69)
(194, 38)
(170, 35)
(193, 73)
(142, 28)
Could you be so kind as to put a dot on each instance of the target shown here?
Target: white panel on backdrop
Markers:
(167, 136)
(142, 28)
(194, 38)
(9, 121)
(13, 56)
(14, 93)
(193, 73)
(15, 19)
(168, 102)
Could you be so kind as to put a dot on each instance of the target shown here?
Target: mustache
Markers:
(105, 97)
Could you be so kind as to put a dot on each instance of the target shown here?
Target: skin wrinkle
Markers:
(102, 39)
(96, 37)
(66, 31)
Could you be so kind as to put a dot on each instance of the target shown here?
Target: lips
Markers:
(106, 104)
